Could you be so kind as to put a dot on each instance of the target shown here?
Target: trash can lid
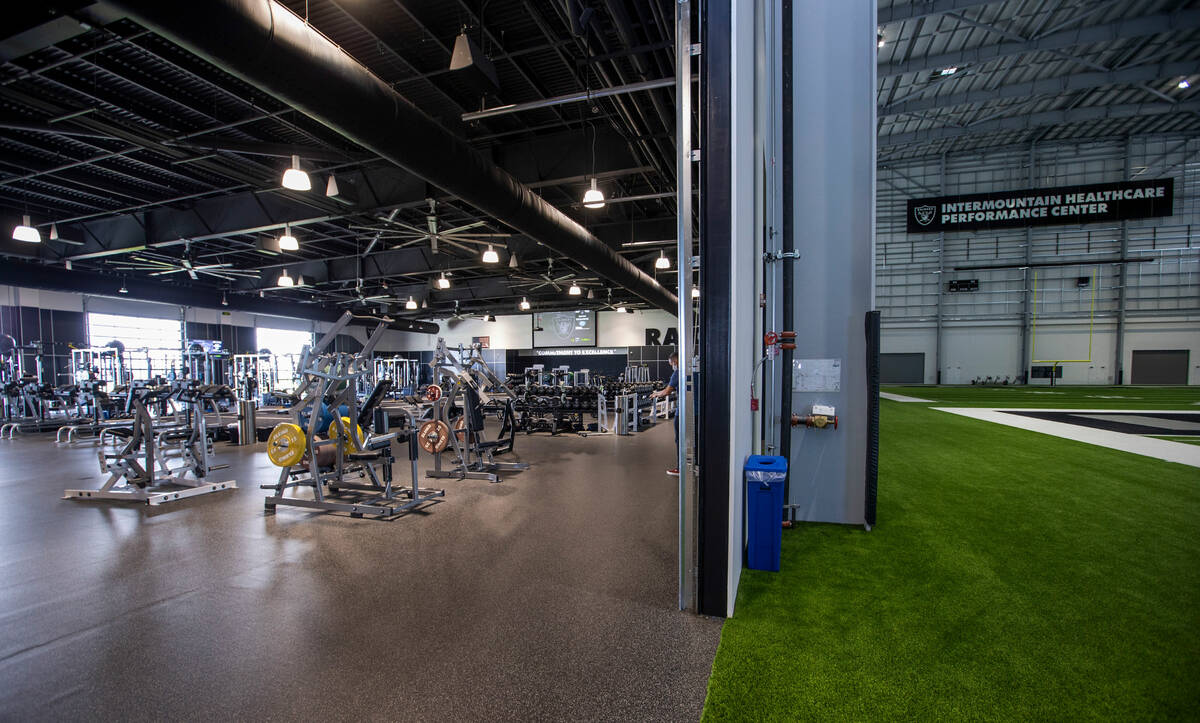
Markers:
(766, 462)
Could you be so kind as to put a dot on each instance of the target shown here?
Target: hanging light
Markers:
(443, 282)
(1184, 84)
(284, 280)
(331, 187)
(662, 262)
(122, 290)
(295, 178)
(591, 294)
(424, 304)
(524, 304)
(53, 232)
(411, 304)
(622, 310)
(26, 232)
(300, 281)
(224, 299)
(574, 290)
(593, 197)
(490, 256)
(288, 242)
(512, 261)
(695, 292)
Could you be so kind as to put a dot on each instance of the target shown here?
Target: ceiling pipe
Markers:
(268, 46)
(587, 95)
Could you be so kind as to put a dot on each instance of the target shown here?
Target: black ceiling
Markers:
(144, 155)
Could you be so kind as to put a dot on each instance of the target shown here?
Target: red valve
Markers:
(770, 338)
(753, 404)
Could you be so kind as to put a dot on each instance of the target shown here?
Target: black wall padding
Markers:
(872, 329)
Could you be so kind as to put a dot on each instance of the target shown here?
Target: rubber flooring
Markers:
(548, 596)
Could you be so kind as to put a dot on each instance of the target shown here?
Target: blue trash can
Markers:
(764, 510)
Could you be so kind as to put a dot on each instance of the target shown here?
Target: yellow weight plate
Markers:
(286, 445)
(347, 446)
(433, 436)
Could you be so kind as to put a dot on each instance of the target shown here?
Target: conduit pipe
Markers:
(270, 47)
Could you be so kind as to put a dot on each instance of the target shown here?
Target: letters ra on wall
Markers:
(1043, 206)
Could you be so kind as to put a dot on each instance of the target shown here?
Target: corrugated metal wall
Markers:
(913, 270)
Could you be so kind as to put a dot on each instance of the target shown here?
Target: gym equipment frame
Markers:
(141, 471)
(329, 381)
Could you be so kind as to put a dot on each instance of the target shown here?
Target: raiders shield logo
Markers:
(924, 214)
(564, 324)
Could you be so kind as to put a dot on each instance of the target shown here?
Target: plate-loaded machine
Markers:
(328, 381)
(141, 471)
(473, 381)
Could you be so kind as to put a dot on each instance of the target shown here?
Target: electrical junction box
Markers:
(823, 409)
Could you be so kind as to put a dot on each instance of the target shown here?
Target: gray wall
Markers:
(981, 332)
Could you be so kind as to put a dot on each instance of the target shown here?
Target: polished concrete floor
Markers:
(549, 596)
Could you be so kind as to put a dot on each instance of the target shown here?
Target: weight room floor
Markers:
(550, 595)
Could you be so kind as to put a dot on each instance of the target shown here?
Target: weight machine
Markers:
(329, 382)
(254, 376)
(401, 370)
(142, 470)
(469, 378)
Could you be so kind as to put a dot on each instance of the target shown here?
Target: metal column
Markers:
(683, 188)
(941, 280)
(1123, 268)
(1027, 306)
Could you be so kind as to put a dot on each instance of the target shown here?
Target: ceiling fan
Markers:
(361, 299)
(459, 316)
(535, 281)
(459, 237)
(163, 265)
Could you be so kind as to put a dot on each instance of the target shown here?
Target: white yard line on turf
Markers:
(1178, 452)
(901, 397)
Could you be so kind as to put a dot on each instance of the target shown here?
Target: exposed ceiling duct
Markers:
(266, 45)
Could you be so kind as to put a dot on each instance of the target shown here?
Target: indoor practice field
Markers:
(1011, 576)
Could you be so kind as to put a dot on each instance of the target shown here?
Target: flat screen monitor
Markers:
(564, 328)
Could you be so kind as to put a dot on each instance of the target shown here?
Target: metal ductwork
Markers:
(271, 48)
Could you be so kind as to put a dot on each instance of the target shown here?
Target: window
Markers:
(152, 346)
(286, 345)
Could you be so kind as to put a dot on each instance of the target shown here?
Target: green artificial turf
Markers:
(1011, 576)
(1083, 397)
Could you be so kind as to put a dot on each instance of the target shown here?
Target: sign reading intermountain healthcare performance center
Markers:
(1043, 206)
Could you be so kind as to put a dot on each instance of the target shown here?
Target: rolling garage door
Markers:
(1169, 366)
(902, 368)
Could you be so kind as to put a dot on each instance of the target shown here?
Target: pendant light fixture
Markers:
(524, 304)
(574, 290)
(662, 262)
(122, 290)
(26, 232)
(512, 261)
(443, 282)
(53, 232)
(295, 178)
(288, 242)
(490, 256)
(411, 304)
(284, 279)
(593, 197)
(224, 299)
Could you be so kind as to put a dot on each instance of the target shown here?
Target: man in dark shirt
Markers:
(667, 391)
